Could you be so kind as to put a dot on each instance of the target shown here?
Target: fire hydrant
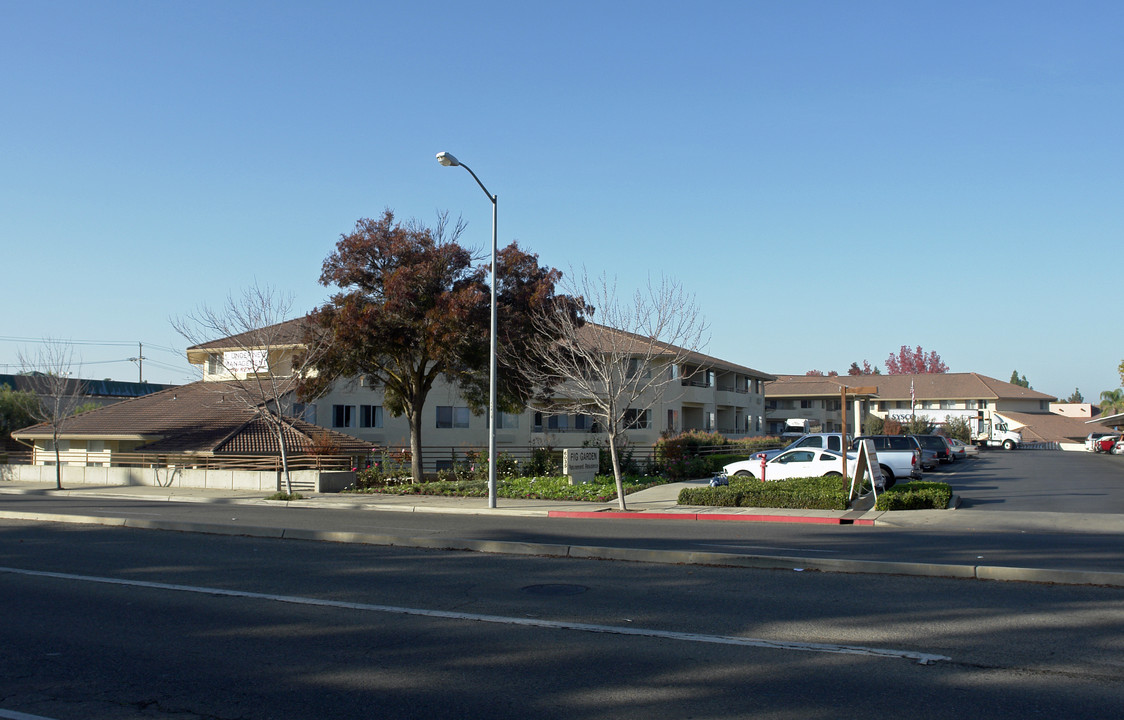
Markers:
(762, 456)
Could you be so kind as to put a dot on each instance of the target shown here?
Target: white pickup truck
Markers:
(898, 455)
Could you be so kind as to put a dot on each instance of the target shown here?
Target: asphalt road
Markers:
(1038, 481)
(990, 529)
(104, 623)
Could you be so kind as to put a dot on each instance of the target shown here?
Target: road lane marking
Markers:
(13, 715)
(921, 658)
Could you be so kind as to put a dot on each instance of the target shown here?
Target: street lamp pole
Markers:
(449, 161)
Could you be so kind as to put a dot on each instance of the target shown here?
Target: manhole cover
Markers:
(555, 589)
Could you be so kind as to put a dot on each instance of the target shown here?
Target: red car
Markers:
(1105, 444)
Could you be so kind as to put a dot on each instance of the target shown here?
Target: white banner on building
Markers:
(246, 361)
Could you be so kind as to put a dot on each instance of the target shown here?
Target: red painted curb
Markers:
(706, 516)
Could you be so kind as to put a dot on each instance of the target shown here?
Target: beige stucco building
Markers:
(935, 396)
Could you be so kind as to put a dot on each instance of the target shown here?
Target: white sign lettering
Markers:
(246, 361)
(581, 464)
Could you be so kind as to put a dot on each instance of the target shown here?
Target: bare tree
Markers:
(629, 357)
(260, 353)
(49, 374)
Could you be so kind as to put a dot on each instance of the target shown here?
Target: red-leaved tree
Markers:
(412, 306)
(914, 361)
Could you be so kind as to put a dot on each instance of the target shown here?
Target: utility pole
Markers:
(139, 360)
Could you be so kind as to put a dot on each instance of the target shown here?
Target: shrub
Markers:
(285, 496)
(602, 489)
(918, 425)
(543, 462)
(958, 427)
(759, 444)
(388, 469)
(816, 493)
(919, 495)
(874, 425)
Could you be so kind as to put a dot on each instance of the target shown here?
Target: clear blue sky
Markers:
(832, 179)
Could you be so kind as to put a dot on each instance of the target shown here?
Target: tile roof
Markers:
(288, 333)
(619, 340)
(195, 418)
(926, 386)
(1049, 427)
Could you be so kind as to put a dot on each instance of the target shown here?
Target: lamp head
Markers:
(447, 159)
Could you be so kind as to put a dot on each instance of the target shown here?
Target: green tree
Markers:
(1020, 381)
(413, 307)
(1112, 401)
(1076, 397)
(958, 427)
(918, 425)
(17, 410)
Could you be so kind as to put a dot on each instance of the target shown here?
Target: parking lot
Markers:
(1037, 481)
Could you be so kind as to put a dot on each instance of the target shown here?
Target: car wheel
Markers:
(832, 474)
(743, 474)
(1008, 444)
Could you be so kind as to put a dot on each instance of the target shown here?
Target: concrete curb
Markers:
(589, 552)
(719, 517)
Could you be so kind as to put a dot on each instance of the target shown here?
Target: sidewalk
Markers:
(654, 503)
(658, 503)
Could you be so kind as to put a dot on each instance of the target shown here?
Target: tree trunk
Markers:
(284, 456)
(58, 465)
(414, 416)
(617, 469)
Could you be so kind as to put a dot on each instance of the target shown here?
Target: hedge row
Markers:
(816, 493)
(918, 495)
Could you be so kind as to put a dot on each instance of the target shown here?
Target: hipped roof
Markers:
(926, 386)
(205, 418)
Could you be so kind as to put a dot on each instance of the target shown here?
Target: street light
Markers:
(449, 161)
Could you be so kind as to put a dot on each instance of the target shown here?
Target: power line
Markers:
(103, 343)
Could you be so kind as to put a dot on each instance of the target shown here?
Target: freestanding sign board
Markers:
(866, 465)
(581, 464)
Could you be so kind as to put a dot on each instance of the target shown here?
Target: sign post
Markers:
(866, 390)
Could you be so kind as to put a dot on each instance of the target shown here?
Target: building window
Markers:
(948, 404)
(832, 405)
(805, 404)
(637, 368)
(304, 412)
(558, 422)
(504, 421)
(370, 416)
(538, 422)
(452, 417)
(637, 419)
(343, 416)
(673, 420)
